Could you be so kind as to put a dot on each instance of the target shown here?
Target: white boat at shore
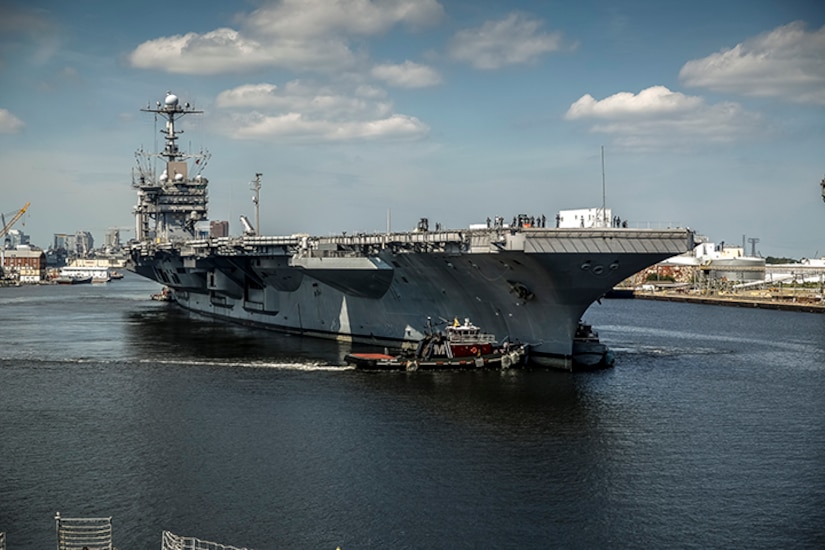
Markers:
(77, 274)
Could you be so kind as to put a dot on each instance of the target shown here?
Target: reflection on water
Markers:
(707, 433)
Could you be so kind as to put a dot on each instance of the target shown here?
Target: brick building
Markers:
(24, 263)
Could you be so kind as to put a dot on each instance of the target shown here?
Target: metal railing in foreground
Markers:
(170, 541)
(83, 533)
(2, 540)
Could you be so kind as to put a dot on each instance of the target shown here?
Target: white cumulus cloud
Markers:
(300, 110)
(787, 62)
(297, 125)
(407, 75)
(658, 117)
(651, 101)
(303, 18)
(10, 124)
(297, 96)
(516, 39)
(227, 50)
(294, 34)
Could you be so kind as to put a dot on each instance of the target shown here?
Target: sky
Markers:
(364, 114)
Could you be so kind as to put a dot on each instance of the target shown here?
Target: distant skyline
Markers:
(711, 114)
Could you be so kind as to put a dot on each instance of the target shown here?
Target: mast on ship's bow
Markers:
(172, 202)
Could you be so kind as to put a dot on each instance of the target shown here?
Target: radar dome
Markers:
(171, 100)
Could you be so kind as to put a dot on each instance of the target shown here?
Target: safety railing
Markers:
(170, 541)
(83, 533)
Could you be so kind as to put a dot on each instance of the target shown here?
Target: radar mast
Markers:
(172, 202)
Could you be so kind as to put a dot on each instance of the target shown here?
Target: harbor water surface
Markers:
(709, 432)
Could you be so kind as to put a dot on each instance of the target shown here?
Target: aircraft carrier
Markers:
(528, 284)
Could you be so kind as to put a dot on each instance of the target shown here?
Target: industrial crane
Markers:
(5, 229)
(17, 216)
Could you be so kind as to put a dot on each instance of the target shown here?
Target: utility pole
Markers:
(255, 185)
(822, 183)
(604, 195)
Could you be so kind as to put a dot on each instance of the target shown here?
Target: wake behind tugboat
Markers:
(457, 347)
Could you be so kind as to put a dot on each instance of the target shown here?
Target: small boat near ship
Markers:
(72, 280)
(459, 346)
(588, 351)
(72, 274)
(165, 295)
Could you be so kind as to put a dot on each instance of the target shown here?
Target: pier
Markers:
(787, 302)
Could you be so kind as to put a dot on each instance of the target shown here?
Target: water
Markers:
(708, 432)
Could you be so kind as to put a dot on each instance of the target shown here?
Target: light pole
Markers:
(255, 185)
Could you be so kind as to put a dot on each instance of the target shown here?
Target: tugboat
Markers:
(460, 346)
(588, 351)
(165, 295)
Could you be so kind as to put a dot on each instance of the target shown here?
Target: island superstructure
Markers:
(528, 284)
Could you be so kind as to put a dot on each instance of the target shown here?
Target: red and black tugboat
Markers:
(459, 346)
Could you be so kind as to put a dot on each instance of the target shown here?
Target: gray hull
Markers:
(531, 285)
